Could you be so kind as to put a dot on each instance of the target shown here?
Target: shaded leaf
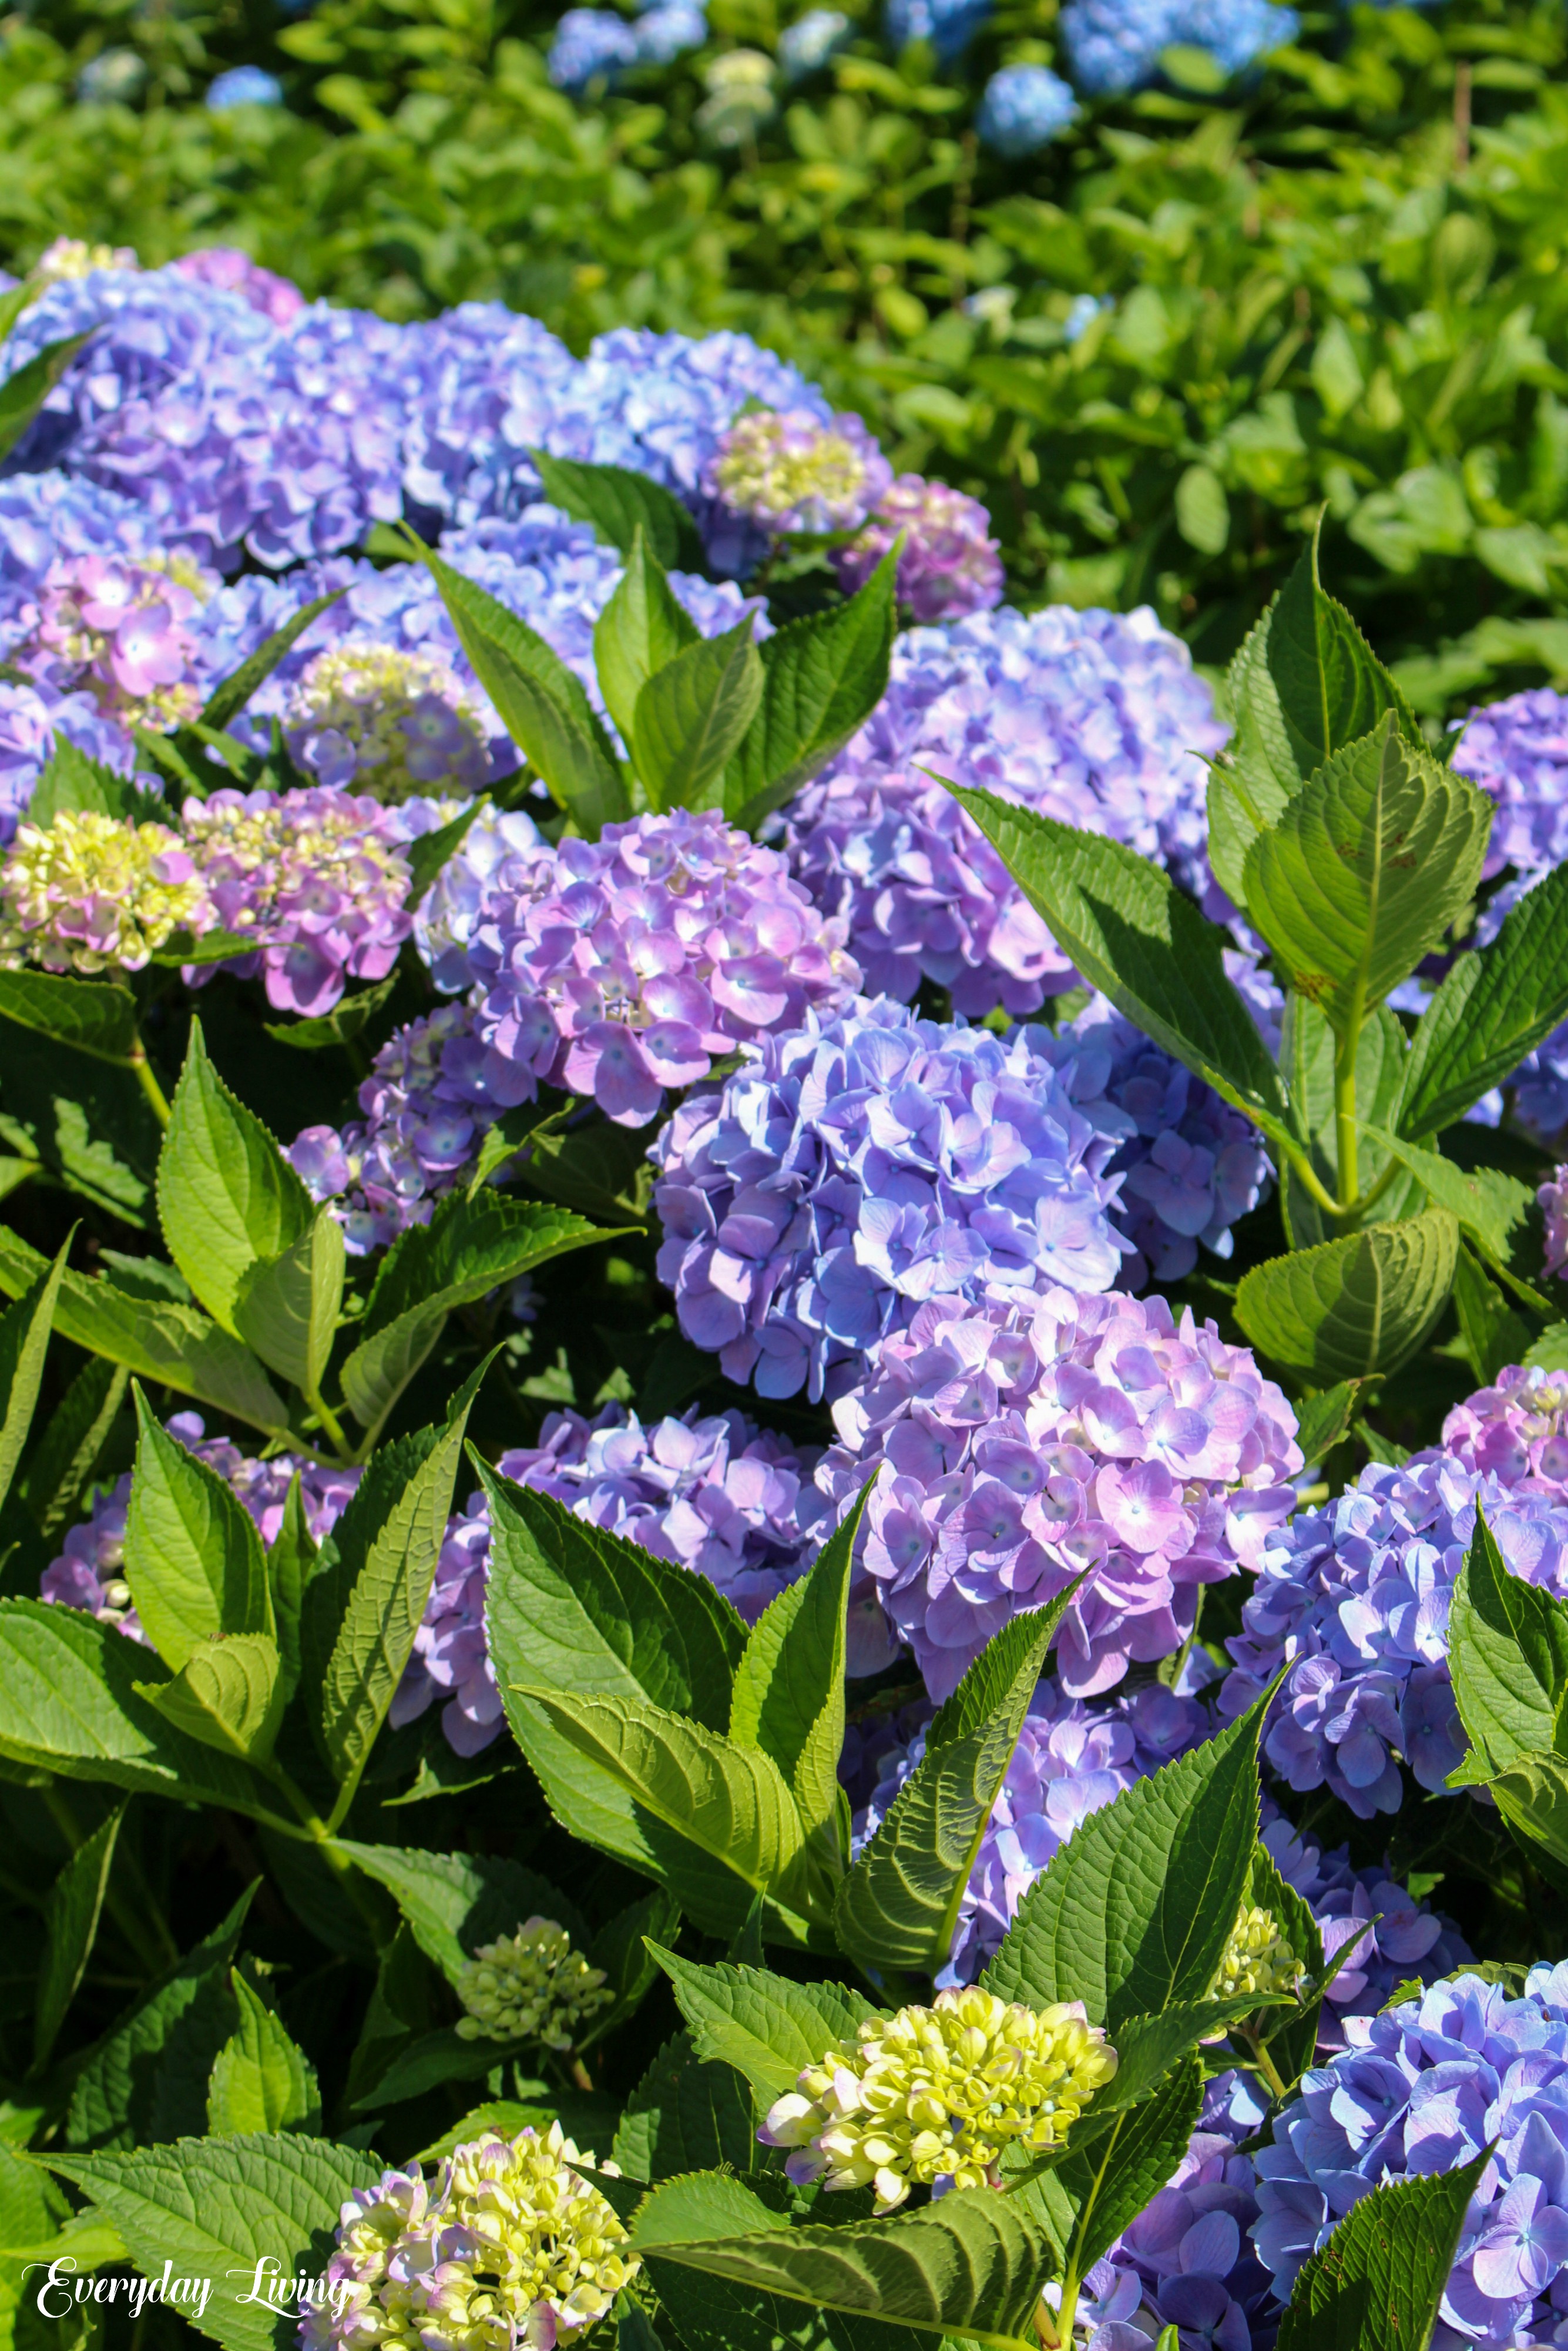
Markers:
(1354, 1306)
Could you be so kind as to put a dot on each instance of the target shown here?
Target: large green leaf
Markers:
(94, 1016)
(788, 1696)
(147, 2077)
(1365, 870)
(823, 677)
(685, 2114)
(620, 504)
(1354, 1306)
(1508, 1653)
(1376, 2285)
(286, 1307)
(1132, 1914)
(231, 694)
(899, 1906)
(261, 2080)
(690, 717)
(705, 2204)
(71, 1913)
(25, 1330)
(1489, 1205)
(1532, 1793)
(1133, 935)
(379, 1369)
(641, 627)
(226, 1195)
(229, 1694)
(453, 1902)
(1494, 1334)
(1110, 2182)
(471, 1245)
(972, 2266)
(767, 2026)
(1493, 1007)
(74, 781)
(24, 391)
(1307, 1066)
(192, 1556)
(219, 2208)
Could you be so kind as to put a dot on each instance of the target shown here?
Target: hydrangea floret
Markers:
(949, 564)
(1022, 109)
(91, 893)
(389, 719)
(787, 471)
(119, 631)
(530, 1986)
(931, 2097)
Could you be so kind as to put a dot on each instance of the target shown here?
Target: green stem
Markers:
(1306, 1174)
(329, 1422)
(137, 1060)
(317, 1832)
(1345, 1114)
(1265, 2065)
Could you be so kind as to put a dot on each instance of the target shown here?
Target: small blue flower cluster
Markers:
(1115, 46)
(597, 45)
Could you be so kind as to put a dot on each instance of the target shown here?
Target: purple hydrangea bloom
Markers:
(32, 718)
(51, 517)
(1354, 1598)
(1022, 110)
(1517, 1430)
(950, 565)
(1016, 1444)
(1420, 2090)
(1096, 718)
(860, 1165)
(1553, 1199)
(1517, 751)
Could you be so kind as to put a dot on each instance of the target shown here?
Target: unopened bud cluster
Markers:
(89, 892)
(1257, 1959)
(933, 2095)
(530, 1986)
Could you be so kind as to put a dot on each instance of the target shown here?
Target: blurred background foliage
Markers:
(1156, 350)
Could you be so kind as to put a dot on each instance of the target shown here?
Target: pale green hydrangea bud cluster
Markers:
(89, 892)
(509, 2247)
(933, 2095)
(788, 470)
(1257, 1959)
(389, 720)
(530, 1986)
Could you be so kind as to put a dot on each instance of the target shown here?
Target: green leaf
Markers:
(94, 1016)
(1202, 509)
(540, 702)
(219, 2208)
(229, 1695)
(823, 677)
(1307, 1066)
(898, 1907)
(641, 627)
(286, 1307)
(1483, 1201)
(231, 694)
(1550, 1352)
(685, 2114)
(789, 1695)
(25, 1330)
(24, 391)
(703, 2204)
(290, 1564)
(68, 1453)
(597, 1168)
(1132, 1916)
(729, 1803)
(1531, 1795)
(1134, 936)
(431, 850)
(1493, 1007)
(767, 2026)
(376, 1374)
(260, 2080)
(471, 1245)
(1494, 1334)
(453, 1902)
(1113, 2180)
(619, 504)
(691, 716)
(338, 1027)
(1365, 870)
(1508, 1651)
(72, 780)
(226, 1195)
(621, 1951)
(1324, 1420)
(147, 2077)
(971, 2265)
(192, 1557)
(1378, 2281)
(583, 2115)
(1354, 1306)
(71, 1914)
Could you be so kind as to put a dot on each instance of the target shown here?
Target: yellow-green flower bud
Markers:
(1257, 1959)
(530, 1986)
(92, 892)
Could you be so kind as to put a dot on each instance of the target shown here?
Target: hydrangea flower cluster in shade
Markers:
(1093, 717)
(619, 967)
(1553, 1199)
(858, 1166)
(391, 721)
(89, 1571)
(1016, 1446)
(1022, 110)
(510, 2246)
(790, 471)
(805, 46)
(950, 565)
(1115, 46)
(933, 2095)
(33, 719)
(92, 892)
(718, 1496)
(117, 631)
(1354, 1598)
(1420, 2090)
(530, 1986)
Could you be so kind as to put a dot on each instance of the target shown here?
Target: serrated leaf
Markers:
(971, 2265)
(822, 677)
(229, 1695)
(226, 1195)
(1484, 1201)
(1111, 2181)
(471, 1245)
(192, 1556)
(231, 694)
(899, 1906)
(767, 2027)
(72, 780)
(1324, 1420)
(691, 715)
(596, 1168)
(376, 1373)
(71, 1914)
(702, 2204)
(25, 1332)
(261, 2081)
(584, 2115)
(93, 1015)
(338, 1027)
(1550, 1352)
(453, 1902)
(1354, 1306)
(1492, 1008)
(67, 1452)
(429, 851)
(1531, 1792)
(1508, 1652)
(1132, 1914)
(286, 1307)
(789, 1694)
(620, 1951)
(619, 503)
(1365, 870)
(218, 2206)
(640, 628)
(138, 2081)
(1134, 936)
(685, 2114)
(1380, 2278)
(24, 391)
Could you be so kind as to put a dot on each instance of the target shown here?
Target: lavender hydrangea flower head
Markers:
(788, 471)
(1022, 110)
(1354, 1598)
(949, 565)
(1517, 751)
(1517, 1430)
(1115, 46)
(394, 722)
(1421, 2089)
(118, 630)
(226, 266)
(1093, 717)
(317, 877)
(33, 719)
(1016, 1444)
(1553, 1199)
(619, 967)
(91, 893)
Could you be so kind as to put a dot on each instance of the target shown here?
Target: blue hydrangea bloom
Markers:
(243, 86)
(591, 45)
(806, 46)
(667, 33)
(948, 25)
(1114, 46)
(45, 516)
(1023, 109)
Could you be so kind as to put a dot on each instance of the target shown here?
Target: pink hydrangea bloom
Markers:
(950, 565)
(1517, 1430)
(1018, 1445)
(235, 273)
(117, 628)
